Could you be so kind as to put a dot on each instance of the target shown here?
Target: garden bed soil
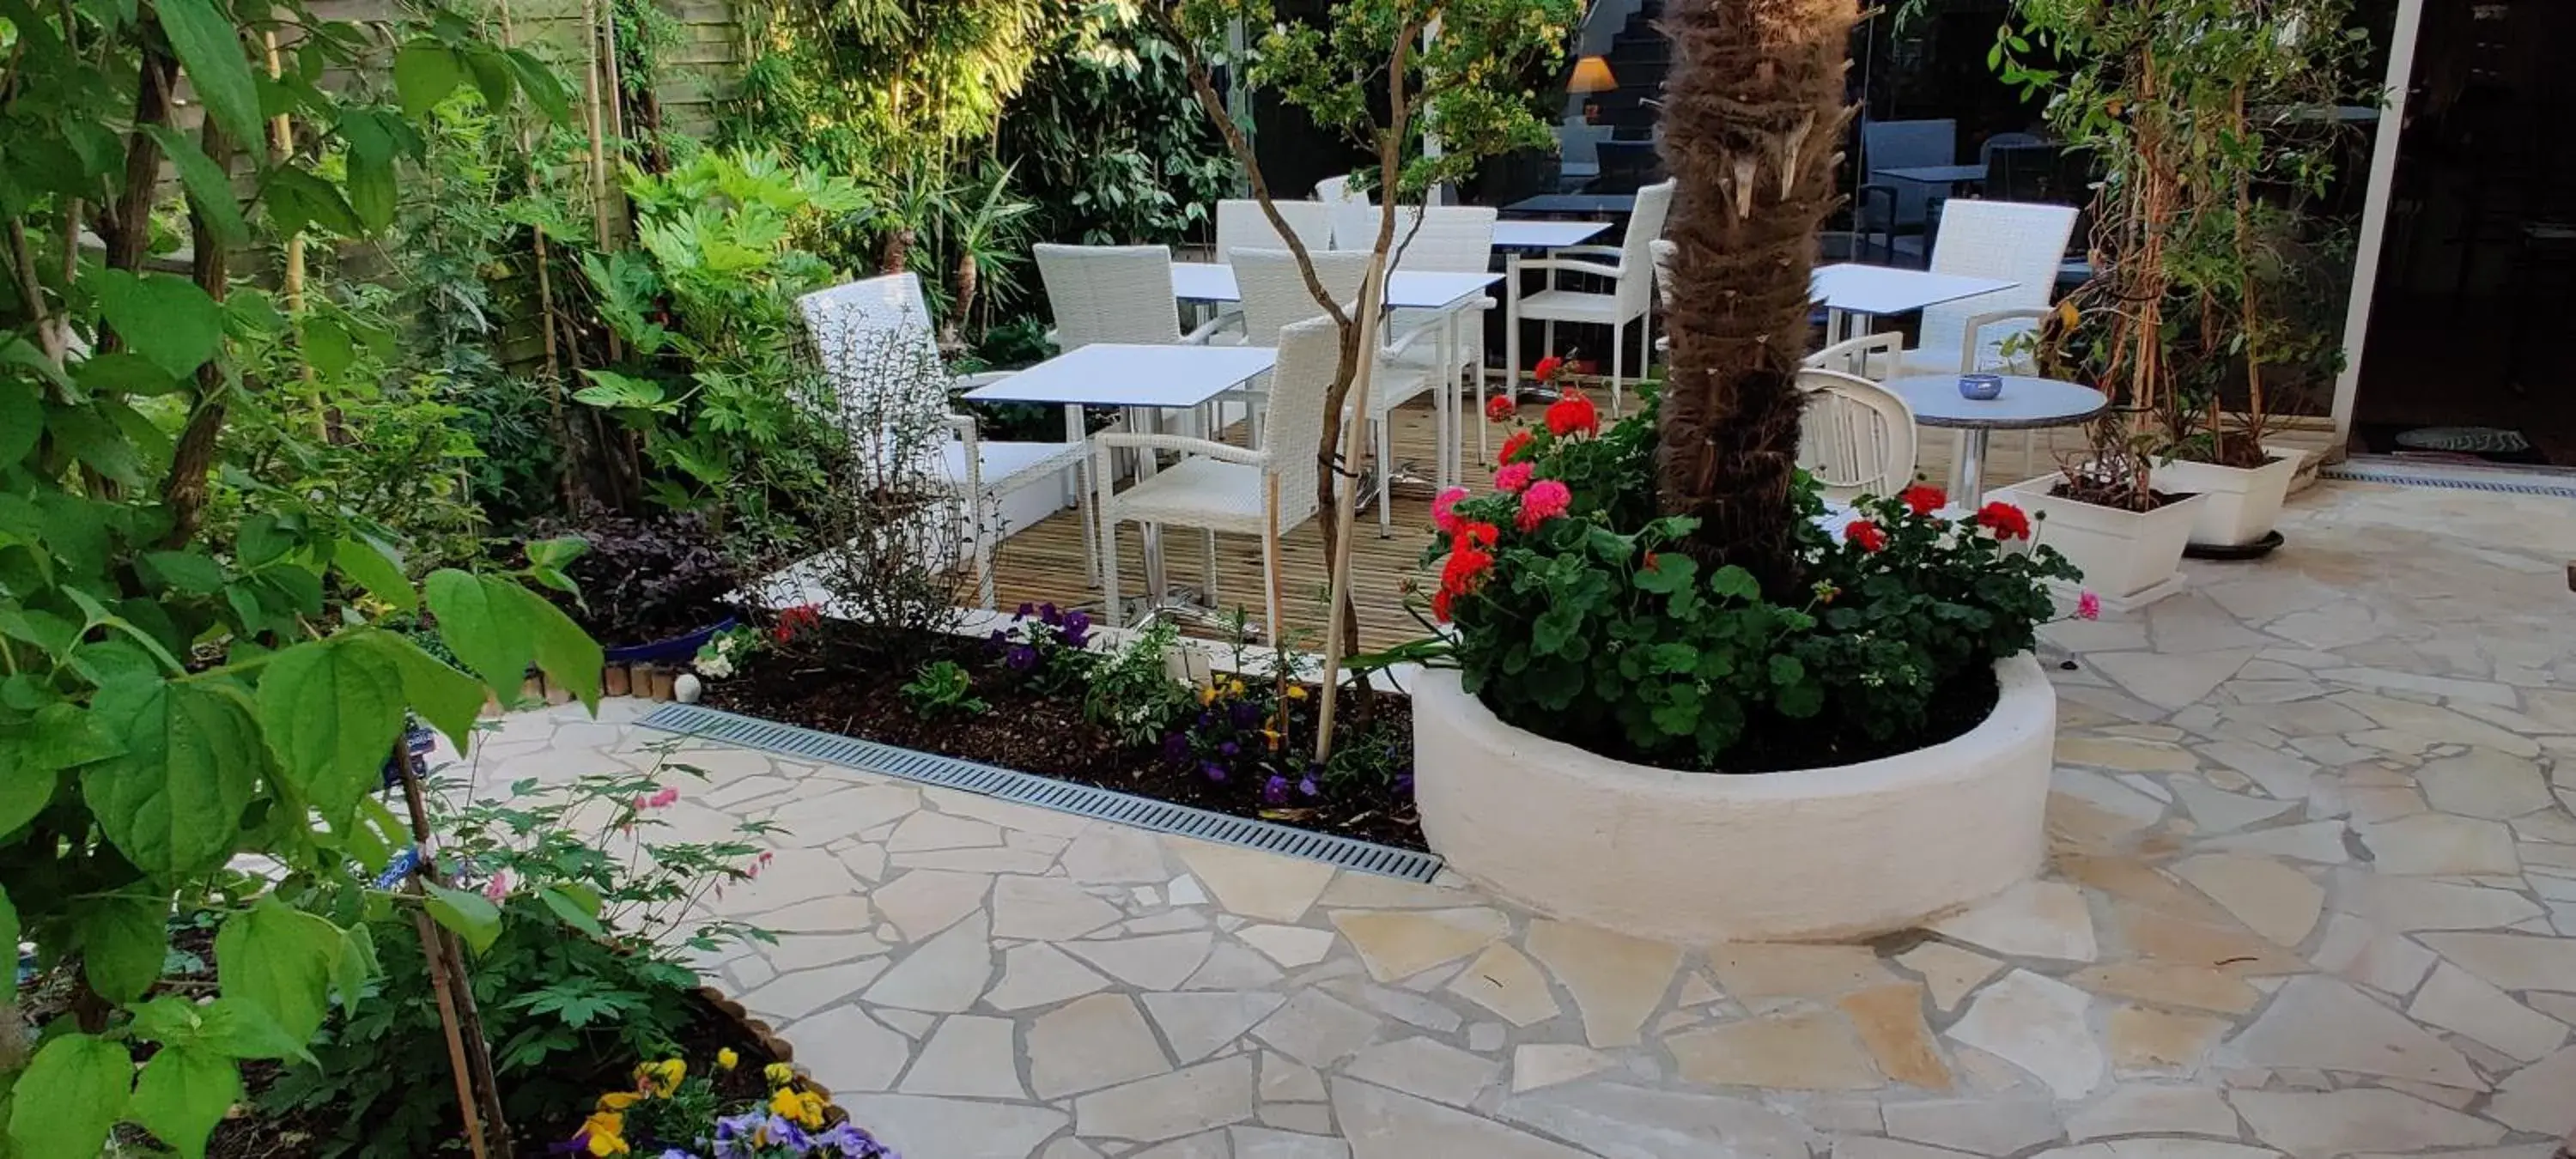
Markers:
(1776, 744)
(1047, 736)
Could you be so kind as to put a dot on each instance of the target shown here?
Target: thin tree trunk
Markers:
(1752, 118)
(192, 458)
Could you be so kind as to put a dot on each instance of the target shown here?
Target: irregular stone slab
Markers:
(2404, 904)
(1402, 1004)
(2217, 812)
(2454, 1001)
(2110, 795)
(2132, 879)
(1751, 970)
(970, 1056)
(1978, 1126)
(1205, 1145)
(953, 1128)
(1288, 945)
(1041, 975)
(1046, 909)
(1154, 962)
(1632, 1123)
(927, 830)
(1232, 967)
(2511, 961)
(1397, 944)
(2431, 844)
(2437, 724)
(1264, 1143)
(847, 1051)
(1253, 883)
(1419, 1066)
(1196, 1023)
(1317, 1029)
(1068, 1148)
(945, 976)
(1890, 1022)
(1872, 1147)
(1371, 891)
(2127, 755)
(1184, 1102)
(791, 996)
(2037, 1024)
(2484, 783)
(2138, 1109)
(2316, 841)
(2171, 984)
(2160, 1149)
(2231, 948)
(2326, 1024)
(1549, 1063)
(1115, 854)
(2036, 919)
(1813, 1050)
(1091, 1043)
(2160, 1042)
(1285, 1079)
(2366, 954)
(2324, 1124)
(2272, 899)
(1948, 971)
(1616, 980)
(925, 901)
(1504, 981)
(1384, 1124)
(847, 914)
(2536, 1098)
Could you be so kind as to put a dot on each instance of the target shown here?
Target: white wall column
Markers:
(2374, 214)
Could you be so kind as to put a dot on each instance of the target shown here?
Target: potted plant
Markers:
(2215, 124)
(2105, 515)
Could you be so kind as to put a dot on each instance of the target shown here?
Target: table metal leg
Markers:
(1081, 503)
(1968, 489)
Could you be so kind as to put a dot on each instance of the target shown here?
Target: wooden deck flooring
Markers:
(1043, 562)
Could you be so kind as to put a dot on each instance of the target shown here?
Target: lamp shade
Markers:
(1592, 75)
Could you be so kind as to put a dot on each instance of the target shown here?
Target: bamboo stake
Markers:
(545, 297)
(478, 1090)
(1354, 441)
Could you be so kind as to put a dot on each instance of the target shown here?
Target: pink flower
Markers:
(1440, 506)
(1513, 477)
(1545, 500)
(2088, 607)
(498, 887)
(660, 800)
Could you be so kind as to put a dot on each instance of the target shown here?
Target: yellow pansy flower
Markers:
(726, 1059)
(1296, 692)
(779, 1074)
(605, 1133)
(618, 1100)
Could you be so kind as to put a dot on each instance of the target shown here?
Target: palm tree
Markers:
(1753, 117)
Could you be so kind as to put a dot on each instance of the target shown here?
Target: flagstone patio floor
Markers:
(2313, 893)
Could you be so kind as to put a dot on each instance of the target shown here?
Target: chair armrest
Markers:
(1214, 327)
(1596, 251)
(968, 431)
(1593, 268)
(1973, 330)
(1103, 443)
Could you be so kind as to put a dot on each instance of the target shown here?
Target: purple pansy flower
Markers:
(1275, 790)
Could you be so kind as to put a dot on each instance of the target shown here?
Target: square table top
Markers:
(1575, 203)
(1405, 290)
(1539, 235)
(1115, 374)
(1935, 174)
(1864, 289)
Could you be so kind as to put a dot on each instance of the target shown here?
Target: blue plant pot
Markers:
(1981, 387)
(673, 648)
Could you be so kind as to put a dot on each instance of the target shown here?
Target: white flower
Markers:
(714, 667)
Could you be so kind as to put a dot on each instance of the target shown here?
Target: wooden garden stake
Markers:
(1354, 440)
(469, 1054)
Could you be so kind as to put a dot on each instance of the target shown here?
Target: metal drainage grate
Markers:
(2406, 478)
(1064, 797)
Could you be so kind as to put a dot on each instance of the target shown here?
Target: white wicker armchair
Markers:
(1857, 437)
(2015, 241)
(1275, 297)
(1220, 488)
(1631, 297)
(981, 470)
(1876, 357)
(1240, 224)
(1457, 239)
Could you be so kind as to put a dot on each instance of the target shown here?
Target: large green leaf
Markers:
(228, 1026)
(568, 655)
(425, 71)
(210, 48)
(182, 1093)
(538, 81)
(172, 801)
(371, 166)
(164, 317)
(332, 711)
(207, 185)
(64, 1102)
(8, 920)
(490, 635)
(448, 699)
(278, 959)
(471, 915)
(376, 568)
(123, 939)
(58, 736)
(22, 415)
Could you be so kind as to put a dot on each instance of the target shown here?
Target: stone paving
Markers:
(2313, 894)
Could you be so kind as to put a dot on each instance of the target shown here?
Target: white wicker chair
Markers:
(981, 470)
(1876, 357)
(1338, 191)
(1123, 293)
(1275, 297)
(2017, 241)
(1631, 297)
(1455, 239)
(1240, 224)
(1222, 488)
(1857, 437)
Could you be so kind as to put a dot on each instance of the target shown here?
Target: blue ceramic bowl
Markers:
(1981, 387)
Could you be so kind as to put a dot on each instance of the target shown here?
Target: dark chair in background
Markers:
(1627, 166)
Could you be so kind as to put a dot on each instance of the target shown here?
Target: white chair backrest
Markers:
(1457, 239)
(1293, 424)
(1856, 437)
(874, 340)
(1876, 357)
(1338, 191)
(2020, 242)
(1664, 252)
(1110, 293)
(1274, 292)
(1636, 249)
(1240, 225)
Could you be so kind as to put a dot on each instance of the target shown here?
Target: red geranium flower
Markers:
(2004, 519)
(1924, 498)
(1472, 535)
(795, 621)
(1514, 445)
(1440, 606)
(1547, 368)
(1501, 408)
(1866, 534)
(1571, 414)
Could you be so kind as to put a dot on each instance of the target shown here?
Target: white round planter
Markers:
(1808, 855)
(2123, 554)
(2239, 504)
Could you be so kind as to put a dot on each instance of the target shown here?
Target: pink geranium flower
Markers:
(498, 887)
(1440, 506)
(2088, 607)
(1545, 500)
(659, 800)
(1513, 477)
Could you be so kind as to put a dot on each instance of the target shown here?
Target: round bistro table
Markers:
(2026, 404)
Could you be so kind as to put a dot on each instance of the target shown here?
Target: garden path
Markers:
(2313, 894)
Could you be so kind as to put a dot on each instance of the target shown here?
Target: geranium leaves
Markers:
(172, 800)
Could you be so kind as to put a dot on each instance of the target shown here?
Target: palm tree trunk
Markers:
(1753, 118)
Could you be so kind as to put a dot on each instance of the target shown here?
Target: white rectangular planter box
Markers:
(2123, 553)
(2239, 504)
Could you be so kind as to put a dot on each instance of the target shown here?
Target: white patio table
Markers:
(2026, 404)
(1851, 291)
